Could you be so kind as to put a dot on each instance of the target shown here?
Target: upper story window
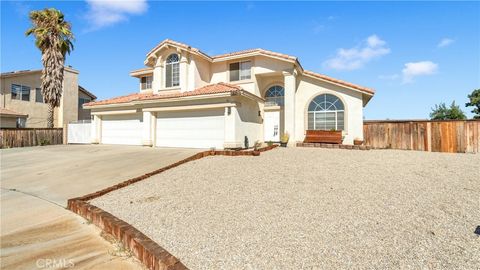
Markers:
(240, 71)
(82, 101)
(275, 96)
(20, 92)
(326, 112)
(172, 71)
(146, 82)
(38, 95)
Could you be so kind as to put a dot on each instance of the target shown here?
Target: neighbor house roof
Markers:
(29, 71)
(249, 52)
(210, 89)
(88, 93)
(11, 113)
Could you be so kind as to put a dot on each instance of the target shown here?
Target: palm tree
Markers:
(53, 36)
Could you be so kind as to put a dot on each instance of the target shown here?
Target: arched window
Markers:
(275, 96)
(326, 112)
(172, 71)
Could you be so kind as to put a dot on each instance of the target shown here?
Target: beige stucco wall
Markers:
(38, 112)
(83, 114)
(248, 122)
(309, 88)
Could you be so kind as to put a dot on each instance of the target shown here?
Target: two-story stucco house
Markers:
(190, 99)
(22, 104)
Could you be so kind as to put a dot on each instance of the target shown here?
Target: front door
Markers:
(271, 125)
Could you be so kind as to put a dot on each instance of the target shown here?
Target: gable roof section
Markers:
(259, 51)
(218, 88)
(366, 90)
(88, 93)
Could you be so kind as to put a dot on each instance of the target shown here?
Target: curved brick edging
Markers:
(145, 249)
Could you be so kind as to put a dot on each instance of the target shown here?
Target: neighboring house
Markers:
(190, 99)
(11, 119)
(20, 92)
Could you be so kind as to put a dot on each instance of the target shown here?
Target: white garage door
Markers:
(191, 129)
(122, 129)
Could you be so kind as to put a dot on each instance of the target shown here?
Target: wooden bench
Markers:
(323, 136)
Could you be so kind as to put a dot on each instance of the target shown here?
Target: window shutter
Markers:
(234, 71)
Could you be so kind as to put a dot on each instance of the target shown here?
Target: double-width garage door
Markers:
(192, 129)
(122, 129)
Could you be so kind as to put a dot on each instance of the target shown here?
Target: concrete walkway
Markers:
(37, 232)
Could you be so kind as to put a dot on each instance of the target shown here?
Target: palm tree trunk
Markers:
(51, 107)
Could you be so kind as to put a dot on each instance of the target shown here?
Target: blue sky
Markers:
(415, 54)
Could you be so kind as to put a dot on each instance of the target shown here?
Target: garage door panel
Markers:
(122, 129)
(199, 129)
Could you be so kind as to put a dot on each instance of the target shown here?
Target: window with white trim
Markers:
(146, 82)
(240, 71)
(38, 95)
(20, 92)
(275, 96)
(172, 71)
(326, 112)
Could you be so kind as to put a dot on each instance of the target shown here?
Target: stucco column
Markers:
(230, 140)
(96, 129)
(183, 72)
(290, 83)
(158, 75)
(147, 129)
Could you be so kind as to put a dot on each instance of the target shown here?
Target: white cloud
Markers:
(104, 13)
(389, 77)
(356, 57)
(414, 69)
(445, 42)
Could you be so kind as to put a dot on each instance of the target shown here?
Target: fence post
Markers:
(65, 133)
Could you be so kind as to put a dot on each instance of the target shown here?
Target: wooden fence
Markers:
(21, 137)
(454, 136)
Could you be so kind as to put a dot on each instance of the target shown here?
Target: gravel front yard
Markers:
(312, 208)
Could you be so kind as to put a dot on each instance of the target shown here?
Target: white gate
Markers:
(79, 132)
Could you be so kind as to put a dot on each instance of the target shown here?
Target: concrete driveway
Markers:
(37, 232)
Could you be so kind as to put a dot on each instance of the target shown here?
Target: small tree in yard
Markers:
(442, 112)
(53, 36)
(475, 103)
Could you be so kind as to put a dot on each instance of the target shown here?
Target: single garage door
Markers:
(191, 129)
(122, 129)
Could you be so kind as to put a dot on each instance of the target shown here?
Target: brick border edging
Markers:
(145, 249)
(336, 146)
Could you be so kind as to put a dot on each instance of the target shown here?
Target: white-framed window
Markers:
(326, 112)
(275, 96)
(240, 71)
(38, 95)
(146, 82)
(21, 122)
(172, 71)
(20, 92)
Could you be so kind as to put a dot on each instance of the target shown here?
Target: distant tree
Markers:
(442, 112)
(474, 102)
(53, 37)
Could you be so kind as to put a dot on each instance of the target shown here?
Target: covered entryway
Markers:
(191, 129)
(122, 129)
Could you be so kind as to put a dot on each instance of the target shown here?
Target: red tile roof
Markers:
(344, 83)
(205, 90)
(258, 50)
(265, 52)
(8, 112)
